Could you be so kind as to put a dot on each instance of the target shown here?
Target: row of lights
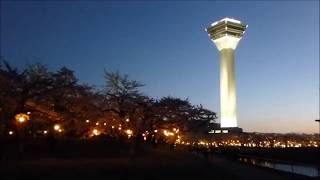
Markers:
(21, 118)
(97, 123)
(264, 144)
(96, 132)
(129, 132)
(56, 127)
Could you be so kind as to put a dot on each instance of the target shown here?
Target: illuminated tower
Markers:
(226, 35)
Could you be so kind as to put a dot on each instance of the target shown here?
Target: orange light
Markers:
(129, 131)
(95, 132)
(21, 118)
(57, 127)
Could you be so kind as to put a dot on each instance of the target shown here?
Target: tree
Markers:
(21, 87)
(123, 96)
(58, 97)
(73, 101)
(174, 112)
(8, 78)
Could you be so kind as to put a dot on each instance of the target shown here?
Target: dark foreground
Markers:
(118, 162)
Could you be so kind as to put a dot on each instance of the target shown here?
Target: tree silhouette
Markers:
(58, 97)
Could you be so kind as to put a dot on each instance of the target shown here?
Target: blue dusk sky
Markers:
(164, 45)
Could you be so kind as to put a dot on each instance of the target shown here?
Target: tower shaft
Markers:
(227, 89)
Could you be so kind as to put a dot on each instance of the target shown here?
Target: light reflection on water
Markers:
(306, 170)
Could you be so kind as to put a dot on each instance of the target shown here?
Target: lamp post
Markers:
(21, 120)
(318, 121)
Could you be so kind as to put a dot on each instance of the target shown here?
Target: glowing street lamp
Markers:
(57, 127)
(10, 132)
(129, 132)
(165, 132)
(95, 132)
(168, 133)
(144, 136)
(21, 118)
(176, 130)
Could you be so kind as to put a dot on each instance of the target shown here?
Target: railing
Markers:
(287, 166)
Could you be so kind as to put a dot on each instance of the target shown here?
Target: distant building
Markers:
(215, 128)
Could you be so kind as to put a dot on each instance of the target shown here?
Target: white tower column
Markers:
(227, 89)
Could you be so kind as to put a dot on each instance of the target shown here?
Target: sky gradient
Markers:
(164, 45)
